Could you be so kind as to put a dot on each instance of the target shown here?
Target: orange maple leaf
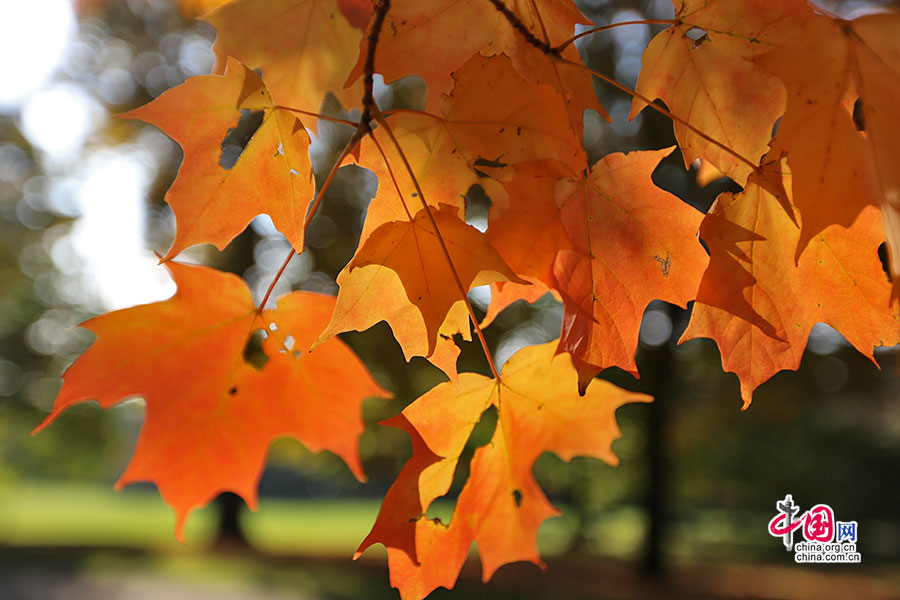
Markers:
(443, 149)
(838, 170)
(399, 275)
(700, 69)
(272, 175)
(210, 415)
(303, 47)
(759, 305)
(613, 241)
(501, 506)
(432, 28)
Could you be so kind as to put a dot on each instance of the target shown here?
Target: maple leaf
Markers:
(442, 152)
(501, 505)
(443, 149)
(304, 47)
(400, 275)
(699, 67)
(838, 170)
(759, 305)
(210, 415)
(432, 28)
(273, 175)
(612, 242)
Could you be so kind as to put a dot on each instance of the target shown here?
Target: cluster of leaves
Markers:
(507, 94)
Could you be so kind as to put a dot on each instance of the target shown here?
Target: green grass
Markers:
(65, 514)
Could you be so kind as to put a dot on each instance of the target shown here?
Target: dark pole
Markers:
(230, 533)
(658, 369)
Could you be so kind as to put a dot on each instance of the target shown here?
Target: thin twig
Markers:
(593, 30)
(311, 211)
(368, 100)
(318, 115)
(275, 279)
(664, 111)
(555, 53)
(519, 26)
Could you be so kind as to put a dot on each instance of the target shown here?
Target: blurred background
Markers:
(81, 215)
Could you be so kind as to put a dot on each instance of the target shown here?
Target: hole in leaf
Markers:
(885, 263)
(859, 117)
(697, 36)
(254, 355)
(442, 508)
(478, 207)
(517, 496)
(288, 347)
(238, 137)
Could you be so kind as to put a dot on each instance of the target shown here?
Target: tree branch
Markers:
(519, 26)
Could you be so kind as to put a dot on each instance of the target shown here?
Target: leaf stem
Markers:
(593, 30)
(361, 130)
(421, 196)
(275, 279)
(317, 115)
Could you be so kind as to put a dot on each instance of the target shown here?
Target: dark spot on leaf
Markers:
(254, 355)
(664, 264)
(495, 163)
(859, 117)
(233, 390)
(883, 257)
(517, 496)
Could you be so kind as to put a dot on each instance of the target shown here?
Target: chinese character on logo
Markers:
(783, 524)
(846, 530)
(819, 525)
